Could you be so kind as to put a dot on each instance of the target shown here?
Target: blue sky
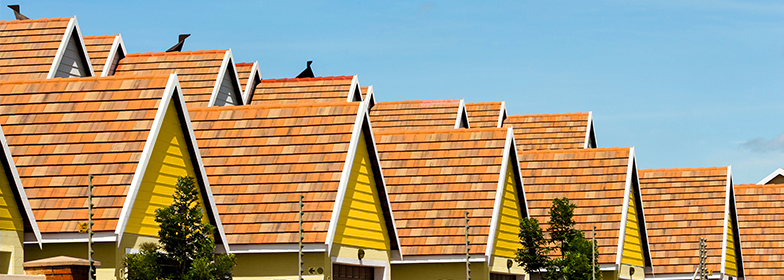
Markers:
(688, 83)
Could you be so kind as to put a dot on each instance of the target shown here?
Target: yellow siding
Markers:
(632, 244)
(10, 217)
(170, 160)
(361, 220)
(506, 240)
(731, 267)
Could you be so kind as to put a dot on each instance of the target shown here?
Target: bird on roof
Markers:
(178, 46)
(307, 73)
(18, 15)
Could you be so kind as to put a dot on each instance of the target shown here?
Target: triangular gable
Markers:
(254, 79)
(462, 116)
(502, 115)
(227, 90)
(510, 205)
(17, 196)
(172, 99)
(71, 59)
(370, 97)
(590, 135)
(354, 93)
(363, 132)
(633, 248)
(116, 53)
(777, 177)
(731, 251)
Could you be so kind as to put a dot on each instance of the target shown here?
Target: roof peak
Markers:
(324, 78)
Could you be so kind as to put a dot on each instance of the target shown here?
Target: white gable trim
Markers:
(642, 224)
(726, 216)
(354, 88)
(19, 188)
(53, 238)
(778, 172)
(461, 111)
(370, 97)
(625, 213)
(117, 46)
(73, 25)
(172, 86)
(228, 62)
(255, 77)
(588, 131)
(502, 115)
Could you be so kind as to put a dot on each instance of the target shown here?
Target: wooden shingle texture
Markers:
(260, 158)
(98, 48)
(61, 130)
(415, 114)
(549, 131)
(29, 47)
(243, 73)
(197, 71)
(761, 221)
(682, 205)
(484, 114)
(594, 180)
(433, 177)
(303, 90)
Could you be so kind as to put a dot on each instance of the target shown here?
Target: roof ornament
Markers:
(178, 46)
(307, 73)
(18, 15)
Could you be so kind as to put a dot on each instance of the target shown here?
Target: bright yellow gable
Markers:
(632, 243)
(361, 220)
(731, 265)
(170, 160)
(10, 217)
(507, 242)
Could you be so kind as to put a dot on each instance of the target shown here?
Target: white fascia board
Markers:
(625, 213)
(354, 88)
(73, 25)
(501, 115)
(588, 131)
(20, 188)
(778, 172)
(53, 238)
(726, 216)
(461, 110)
(277, 248)
(345, 176)
(377, 159)
(736, 224)
(440, 259)
(117, 46)
(255, 75)
(516, 163)
(226, 66)
(643, 224)
(499, 196)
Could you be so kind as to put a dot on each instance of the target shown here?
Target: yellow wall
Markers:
(731, 267)
(10, 216)
(12, 252)
(170, 160)
(439, 271)
(361, 220)
(506, 240)
(632, 244)
(279, 266)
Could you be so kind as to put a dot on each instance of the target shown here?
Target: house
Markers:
(761, 228)
(419, 114)
(553, 131)
(684, 205)
(437, 178)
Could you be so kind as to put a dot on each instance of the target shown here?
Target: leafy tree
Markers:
(187, 248)
(572, 258)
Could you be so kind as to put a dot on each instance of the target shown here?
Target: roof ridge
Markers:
(603, 149)
(323, 78)
(100, 36)
(456, 101)
(757, 186)
(550, 114)
(34, 20)
(442, 130)
(244, 63)
(177, 53)
(272, 106)
(81, 79)
(684, 169)
(484, 103)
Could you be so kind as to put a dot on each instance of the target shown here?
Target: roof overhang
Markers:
(73, 26)
(118, 52)
(254, 79)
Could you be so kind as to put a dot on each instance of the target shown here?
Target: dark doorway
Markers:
(351, 272)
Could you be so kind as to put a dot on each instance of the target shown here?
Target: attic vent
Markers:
(17, 14)
(307, 73)
(178, 46)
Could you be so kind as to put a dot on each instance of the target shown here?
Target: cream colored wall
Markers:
(279, 266)
(639, 272)
(13, 241)
(498, 265)
(439, 271)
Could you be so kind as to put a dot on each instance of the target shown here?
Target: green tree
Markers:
(572, 252)
(186, 248)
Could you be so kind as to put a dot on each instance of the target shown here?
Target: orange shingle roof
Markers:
(260, 158)
(364, 91)
(594, 180)
(682, 205)
(433, 177)
(98, 48)
(61, 130)
(549, 131)
(243, 73)
(304, 90)
(197, 71)
(415, 114)
(29, 47)
(484, 114)
(761, 222)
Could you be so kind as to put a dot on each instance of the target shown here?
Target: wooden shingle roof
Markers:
(486, 114)
(761, 222)
(30, 47)
(682, 205)
(434, 176)
(417, 114)
(99, 47)
(551, 131)
(197, 71)
(307, 90)
(596, 180)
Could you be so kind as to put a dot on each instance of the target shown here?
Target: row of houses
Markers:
(387, 186)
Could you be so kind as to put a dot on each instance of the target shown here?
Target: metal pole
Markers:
(593, 254)
(301, 237)
(90, 214)
(468, 249)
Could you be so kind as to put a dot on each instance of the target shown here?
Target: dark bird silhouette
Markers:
(178, 46)
(307, 73)
(18, 15)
